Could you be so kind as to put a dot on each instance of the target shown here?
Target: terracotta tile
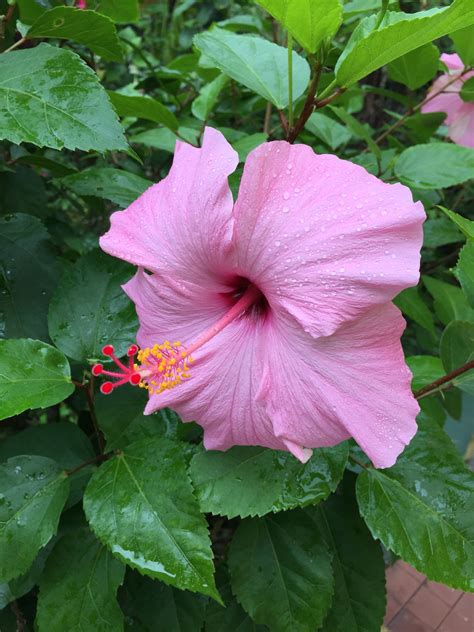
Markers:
(448, 595)
(412, 571)
(407, 622)
(465, 608)
(401, 584)
(428, 607)
(455, 622)
(393, 607)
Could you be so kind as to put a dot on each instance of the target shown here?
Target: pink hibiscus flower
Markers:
(460, 114)
(81, 4)
(281, 302)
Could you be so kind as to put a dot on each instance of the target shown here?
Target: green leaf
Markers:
(204, 103)
(23, 191)
(164, 139)
(440, 231)
(49, 97)
(328, 130)
(412, 305)
(359, 570)
(33, 491)
(309, 22)
(358, 130)
(467, 90)
(466, 225)
(122, 420)
(245, 145)
(151, 601)
(86, 27)
(435, 165)
(255, 62)
(62, 442)
(141, 505)
(465, 271)
(415, 68)
(425, 369)
(399, 33)
(253, 481)
(78, 588)
(32, 375)
(120, 11)
(89, 308)
(28, 276)
(232, 617)
(118, 186)
(456, 349)
(449, 301)
(22, 585)
(143, 108)
(281, 573)
(464, 44)
(421, 509)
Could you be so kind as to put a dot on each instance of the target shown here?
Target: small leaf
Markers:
(143, 108)
(204, 103)
(118, 186)
(467, 90)
(253, 481)
(281, 573)
(150, 601)
(425, 369)
(122, 420)
(309, 22)
(456, 349)
(359, 571)
(421, 509)
(357, 129)
(89, 308)
(465, 225)
(328, 130)
(86, 27)
(435, 165)
(33, 491)
(49, 97)
(32, 375)
(370, 48)
(141, 505)
(440, 231)
(415, 68)
(256, 63)
(411, 304)
(449, 301)
(78, 588)
(28, 276)
(465, 271)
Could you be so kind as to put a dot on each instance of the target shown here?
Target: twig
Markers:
(267, 119)
(429, 389)
(330, 98)
(283, 121)
(97, 459)
(309, 104)
(357, 462)
(15, 45)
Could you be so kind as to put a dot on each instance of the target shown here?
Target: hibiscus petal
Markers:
(452, 61)
(226, 391)
(448, 102)
(173, 310)
(461, 130)
(181, 226)
(322, 238)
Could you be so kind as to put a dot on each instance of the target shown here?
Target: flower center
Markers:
(166, 365)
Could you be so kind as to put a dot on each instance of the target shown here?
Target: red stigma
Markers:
(125, 373)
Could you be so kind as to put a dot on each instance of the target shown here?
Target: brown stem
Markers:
(417, 107)
(97, 459)
(90, 402)
(308, 107)
(15, 45)
(357, 462)
(9, 13)
(449, 377)
(283, 121)
(330, 98)
(20, 619)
